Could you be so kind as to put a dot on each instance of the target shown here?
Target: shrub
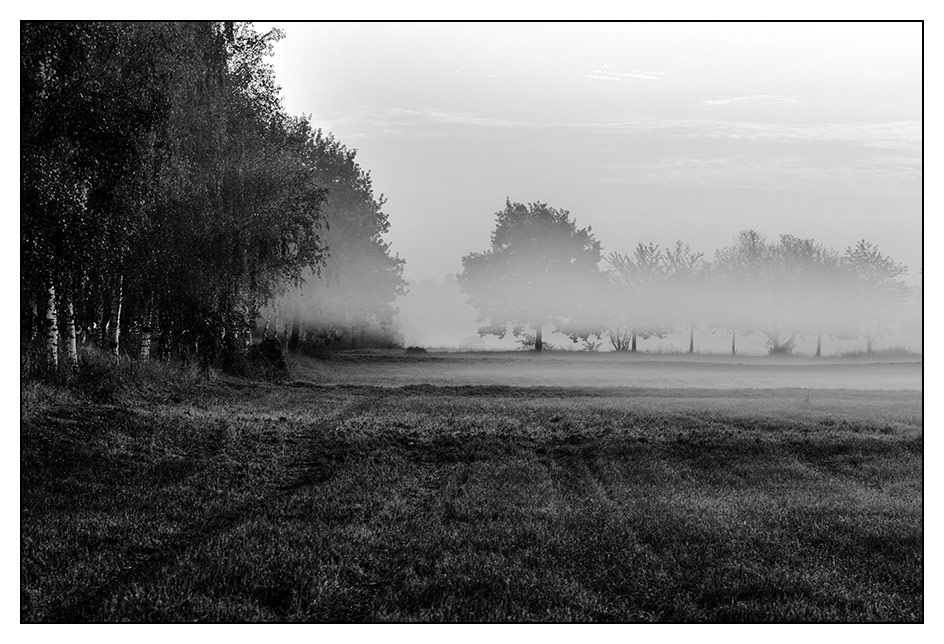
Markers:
(265, 360)
(99, 376)
(782, 350)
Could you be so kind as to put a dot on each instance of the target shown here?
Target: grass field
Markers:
(381, 487)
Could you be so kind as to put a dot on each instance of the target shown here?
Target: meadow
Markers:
(380, 486)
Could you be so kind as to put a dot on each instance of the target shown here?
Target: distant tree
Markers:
(737, 274)
(540, 270)
(791, 288)
(760, 284)
(810, 288)
(685, 287)
(877, 295)
(636, 302)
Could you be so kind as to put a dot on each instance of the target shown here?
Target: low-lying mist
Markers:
(436, 314)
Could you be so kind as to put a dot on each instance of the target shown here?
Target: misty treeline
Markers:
(541, 270)
(167, 199)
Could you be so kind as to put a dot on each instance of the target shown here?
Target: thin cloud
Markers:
(897, 134)
(758, 98)
(902, 135)
(607, 74)
(841, 171)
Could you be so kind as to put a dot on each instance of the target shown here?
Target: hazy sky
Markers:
(645, 131)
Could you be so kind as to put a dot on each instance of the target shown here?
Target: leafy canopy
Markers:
(540, 269)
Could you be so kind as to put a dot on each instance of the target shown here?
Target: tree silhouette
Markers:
(540, 270)
(877, 295)
(635, 303)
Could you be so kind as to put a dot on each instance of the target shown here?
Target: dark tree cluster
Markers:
(542, 270)
(166, 196)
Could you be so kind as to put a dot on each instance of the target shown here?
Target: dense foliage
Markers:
(539, 270)
(166, 194)
(353, 293)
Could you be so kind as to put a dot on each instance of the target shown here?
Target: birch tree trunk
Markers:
(103, 323)
(34, 321)
(52, 330)
(146, 330)
(115, 322)
(72, 353)
(146, 342)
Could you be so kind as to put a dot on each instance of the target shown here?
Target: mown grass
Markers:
(238, 501)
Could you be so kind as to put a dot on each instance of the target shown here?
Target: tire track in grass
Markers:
(591, 527)
(316, 461)
(86, 607)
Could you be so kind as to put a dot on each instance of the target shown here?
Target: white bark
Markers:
(34, 321)
(72, 354)
(114, 330)
(52, 330)
(145, 345)
(146, 331)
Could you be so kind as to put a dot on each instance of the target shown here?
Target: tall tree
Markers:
(540, 270)
(162, 184)
(87, 98)
(361, 277)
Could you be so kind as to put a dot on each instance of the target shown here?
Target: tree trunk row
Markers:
(52, 324)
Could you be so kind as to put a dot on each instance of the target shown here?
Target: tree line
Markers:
(542, 270)
(167, 198)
